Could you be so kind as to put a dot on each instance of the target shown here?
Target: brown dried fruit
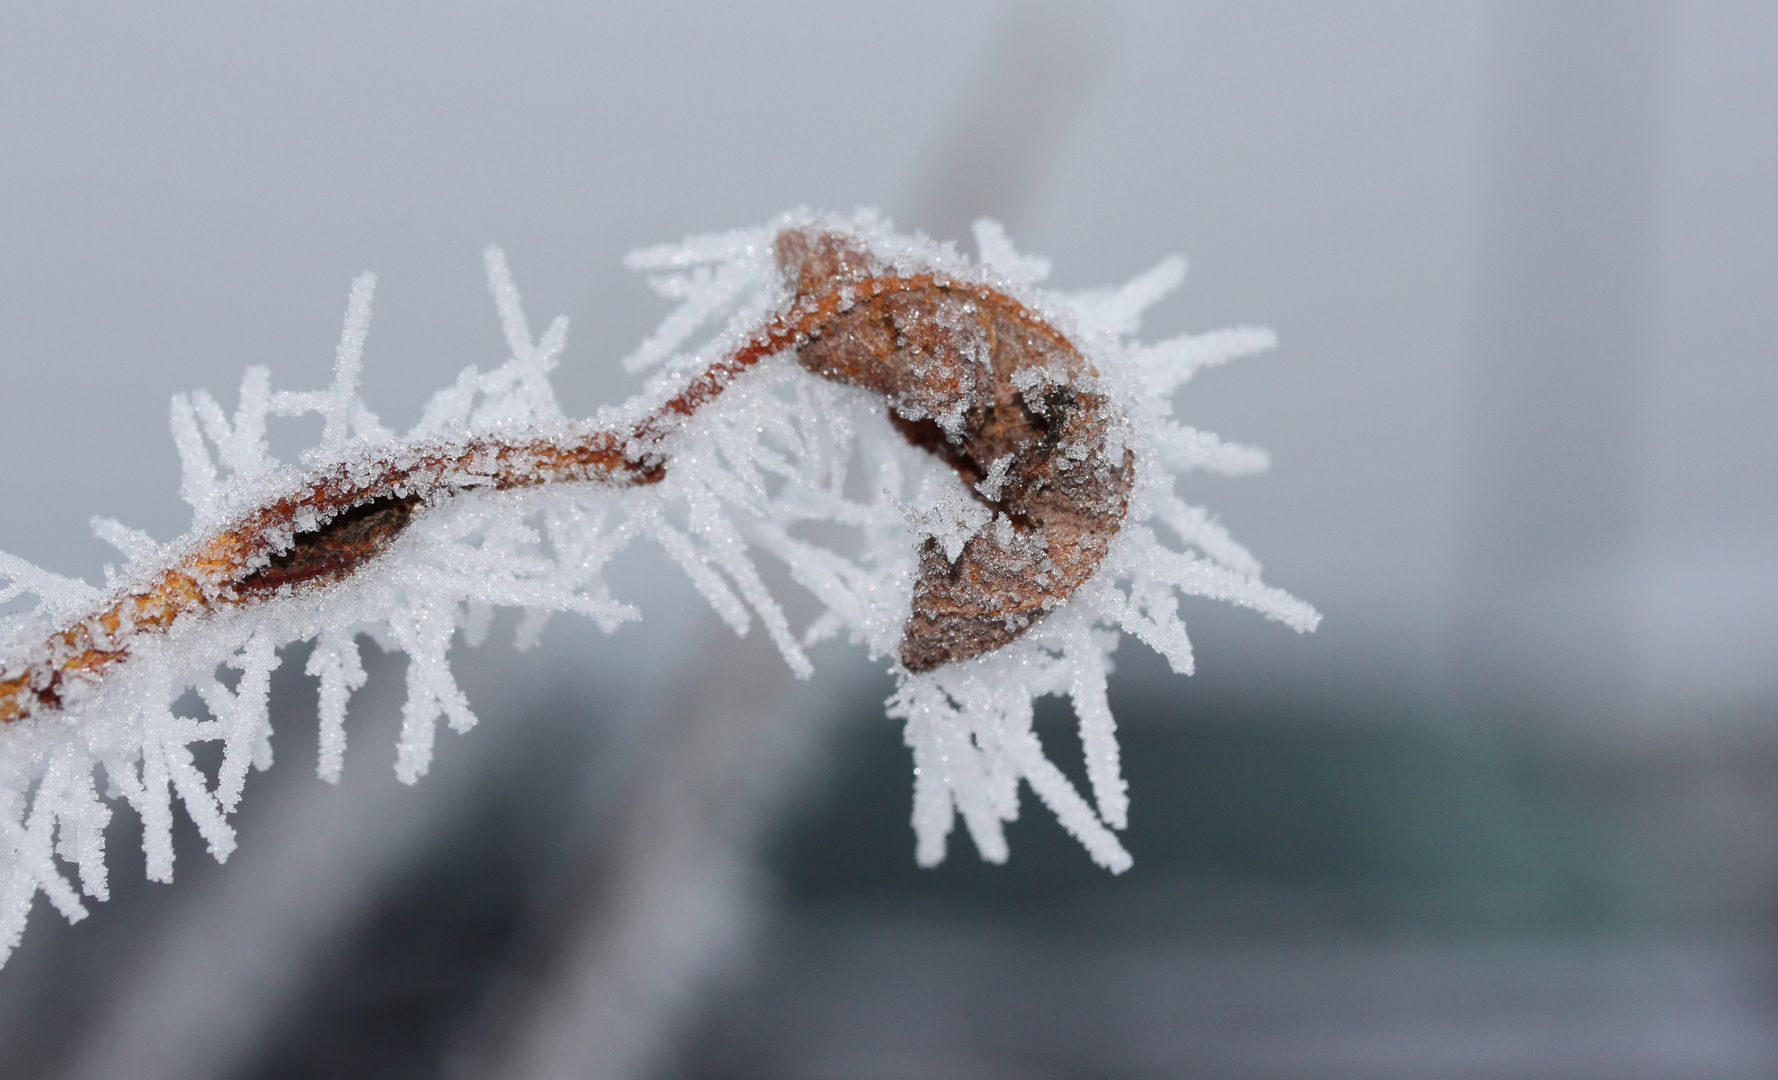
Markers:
(980, 380)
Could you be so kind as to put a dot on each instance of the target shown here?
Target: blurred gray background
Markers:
(1512, 812)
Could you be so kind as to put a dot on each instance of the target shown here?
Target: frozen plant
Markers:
(971, 475)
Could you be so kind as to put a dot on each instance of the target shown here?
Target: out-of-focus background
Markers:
(1512, 812)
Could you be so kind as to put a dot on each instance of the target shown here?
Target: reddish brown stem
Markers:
(252, 558)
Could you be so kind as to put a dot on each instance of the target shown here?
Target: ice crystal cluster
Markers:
(782, 465)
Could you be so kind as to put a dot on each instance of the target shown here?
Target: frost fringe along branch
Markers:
(1000, 458)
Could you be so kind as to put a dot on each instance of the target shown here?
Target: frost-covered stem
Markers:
(221, 570)
(234, 566)
(1031, 440)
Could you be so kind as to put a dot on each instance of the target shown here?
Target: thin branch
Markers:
(261, 552)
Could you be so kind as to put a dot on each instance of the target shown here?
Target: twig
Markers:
(262, 552)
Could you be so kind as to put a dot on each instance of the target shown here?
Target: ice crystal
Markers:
(769, 468)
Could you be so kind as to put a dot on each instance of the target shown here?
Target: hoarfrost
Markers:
(998, 254)
(953, 518)
(776, 461)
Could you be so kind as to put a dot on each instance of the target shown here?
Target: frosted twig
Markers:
(1014, 447)
(361, 504)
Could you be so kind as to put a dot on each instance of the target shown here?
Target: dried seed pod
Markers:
(978, 379)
